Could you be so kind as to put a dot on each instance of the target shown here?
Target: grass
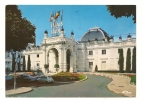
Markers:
(133, 79)
(81, 77)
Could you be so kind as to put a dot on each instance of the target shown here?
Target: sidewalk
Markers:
(18, 90)
(120, 84)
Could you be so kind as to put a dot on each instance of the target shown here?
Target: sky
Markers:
(77, 18)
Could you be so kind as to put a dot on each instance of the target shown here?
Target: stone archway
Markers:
(53, 59)
(68, 55)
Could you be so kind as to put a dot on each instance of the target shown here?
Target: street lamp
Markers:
(17, 61)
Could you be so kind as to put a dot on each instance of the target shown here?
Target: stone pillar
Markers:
(71, 63)
(61, 58)
(65, 61)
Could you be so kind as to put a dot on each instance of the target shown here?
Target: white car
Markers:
(45, 78)
(8, 77)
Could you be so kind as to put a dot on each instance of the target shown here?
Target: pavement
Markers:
(120, 84)
(18, 90)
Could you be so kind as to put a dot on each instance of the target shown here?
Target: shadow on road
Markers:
(10, 84)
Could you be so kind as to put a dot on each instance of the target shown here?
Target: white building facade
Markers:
(94, 48)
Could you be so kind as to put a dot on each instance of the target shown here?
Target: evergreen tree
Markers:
(128, 61)
(121, 60)
(13, 63)
(96, 68)
(134, 60)
(24, 65)
(19, 64)
(29, 63)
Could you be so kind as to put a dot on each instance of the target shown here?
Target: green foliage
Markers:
(19, 64)
(96, 68)
(56, 66)
(121, 60)
(134, 60)
(96, 39)
(128, 60)
(122, 10)
(13, 63)
(133, 79)
(46, 66)
(24, 63)
(7, 70)
(19, 31)
(29, 63)
(81, 77)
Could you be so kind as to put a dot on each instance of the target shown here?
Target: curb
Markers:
(30, 89)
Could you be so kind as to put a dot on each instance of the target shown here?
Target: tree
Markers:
(128, 60)
(134, 60)
(122, 10)
(46, 66)
(56, 66)
(19, 64)
(19, 31)
(121, 60)
(13, 63)
(96, 68)
(29, 63)
(24, 65)
(7, 70)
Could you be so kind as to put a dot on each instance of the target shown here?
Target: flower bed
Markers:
(66, 76)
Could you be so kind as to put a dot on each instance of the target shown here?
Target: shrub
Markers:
(96, 68)
(56, 66)
(46, 66)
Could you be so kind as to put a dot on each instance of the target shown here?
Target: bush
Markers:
(7, 70)
(133, 79)
(46, 66)
(96, 68)
(56, 66)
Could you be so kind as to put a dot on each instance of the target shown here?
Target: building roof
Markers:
(94, 33)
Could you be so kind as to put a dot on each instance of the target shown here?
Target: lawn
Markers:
(133, 79)
(67, 76)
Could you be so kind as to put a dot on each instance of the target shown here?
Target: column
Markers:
(60, 56)
(65, 61)
(71, 63)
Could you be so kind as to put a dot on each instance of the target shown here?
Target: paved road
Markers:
(94, 86)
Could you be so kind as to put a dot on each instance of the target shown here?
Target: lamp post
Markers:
(17, 61)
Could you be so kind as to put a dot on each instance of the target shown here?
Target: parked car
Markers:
(8, 77)
(26, 77)
(45, 79)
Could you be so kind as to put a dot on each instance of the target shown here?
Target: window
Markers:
(37, 55)
(103, 51)
(90, 52)
(90, 64)
(37, 64)
(103, 61)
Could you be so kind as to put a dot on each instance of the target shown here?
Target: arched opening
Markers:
(53, 59)
(68, 54)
